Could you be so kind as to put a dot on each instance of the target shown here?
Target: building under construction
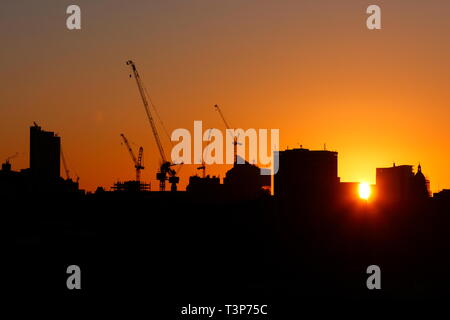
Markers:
(131, 186)
(138, 163)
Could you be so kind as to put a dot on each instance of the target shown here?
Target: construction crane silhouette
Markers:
(166, 172)
(66, 167)
(136, 161)
(203, 166)
(235, 138)
(11, 157)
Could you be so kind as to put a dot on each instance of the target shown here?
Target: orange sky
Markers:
(310, 68)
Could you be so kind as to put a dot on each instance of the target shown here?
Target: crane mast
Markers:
(139, 165)
(235, 139)
(203, 166)
(165, 168)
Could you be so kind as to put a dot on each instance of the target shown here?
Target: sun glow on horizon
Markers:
(364, 190)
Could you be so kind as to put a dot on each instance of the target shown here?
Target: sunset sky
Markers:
(309, 68)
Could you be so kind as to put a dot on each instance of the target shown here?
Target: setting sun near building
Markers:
(364, 190)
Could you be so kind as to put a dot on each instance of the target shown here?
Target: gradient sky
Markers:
(310, 68)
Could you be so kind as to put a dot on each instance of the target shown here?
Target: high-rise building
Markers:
(307, 174)
(45, 149)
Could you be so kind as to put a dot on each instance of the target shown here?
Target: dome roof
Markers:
(419, 175)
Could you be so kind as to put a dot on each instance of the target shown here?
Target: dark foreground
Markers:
(160, 252)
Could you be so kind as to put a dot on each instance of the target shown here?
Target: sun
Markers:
(364, 190)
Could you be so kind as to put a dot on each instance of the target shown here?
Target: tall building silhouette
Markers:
(306, 174)
(394, 183)
(45, 153)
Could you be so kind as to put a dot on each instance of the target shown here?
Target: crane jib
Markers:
(165, 173)
(147, 111)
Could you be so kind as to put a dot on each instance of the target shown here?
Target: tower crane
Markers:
(235, 138)
(137, 161)
(203, 166)
(66, 167)
(166, 172)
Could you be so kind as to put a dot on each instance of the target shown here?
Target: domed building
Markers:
(421, 186)
(399, 184)
(244, 181)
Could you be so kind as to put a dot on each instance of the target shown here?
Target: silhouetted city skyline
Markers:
(390, 110)
(302, 171)
(246, 159)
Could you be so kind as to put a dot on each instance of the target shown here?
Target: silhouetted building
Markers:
(13, 182)
(421, 186)
(394, 183)
(43, 176)
(443, 195)
(68, 185)
(245, 181)
(207, 185)
(400, 184)
(6, 167)
(307, 175)
(131, 186)
(45, 153)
